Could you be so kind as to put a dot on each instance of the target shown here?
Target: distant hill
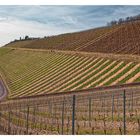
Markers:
(120, 39)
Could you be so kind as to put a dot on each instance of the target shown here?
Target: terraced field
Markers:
(29, 72)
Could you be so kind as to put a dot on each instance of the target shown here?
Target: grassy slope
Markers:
(32, 72)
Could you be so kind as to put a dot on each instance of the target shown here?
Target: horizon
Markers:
(40, 21)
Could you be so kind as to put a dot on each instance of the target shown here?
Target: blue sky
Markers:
(39, 21)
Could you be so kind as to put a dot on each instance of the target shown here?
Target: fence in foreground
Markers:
(103, 112)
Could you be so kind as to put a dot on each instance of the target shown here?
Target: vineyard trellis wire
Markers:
(103, 112)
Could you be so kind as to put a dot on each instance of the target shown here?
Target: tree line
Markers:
(124, 20)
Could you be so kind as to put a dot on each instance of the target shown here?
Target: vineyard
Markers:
(114, 111)
(125, 41)
(118, 39)
(77, 83)
(68, 41)
(33, 73)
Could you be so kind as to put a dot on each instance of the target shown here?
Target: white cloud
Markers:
(38, 21)
(13, 29)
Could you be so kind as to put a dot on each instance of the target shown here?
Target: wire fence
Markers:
(110, 112)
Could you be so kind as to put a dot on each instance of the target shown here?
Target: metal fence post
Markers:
(73, 115)
(27, 120)
(132, 103)
(112, 107)
(62, 117)
(124, 112)
(89, 110)
(0, 120)
(9, 121)
(34, 114)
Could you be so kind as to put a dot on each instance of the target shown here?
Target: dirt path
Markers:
(123, 57)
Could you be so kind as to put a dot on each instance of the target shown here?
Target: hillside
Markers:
(73, 61)
(69, 41)
(77, 83)
(118, 39)
(29, 72)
